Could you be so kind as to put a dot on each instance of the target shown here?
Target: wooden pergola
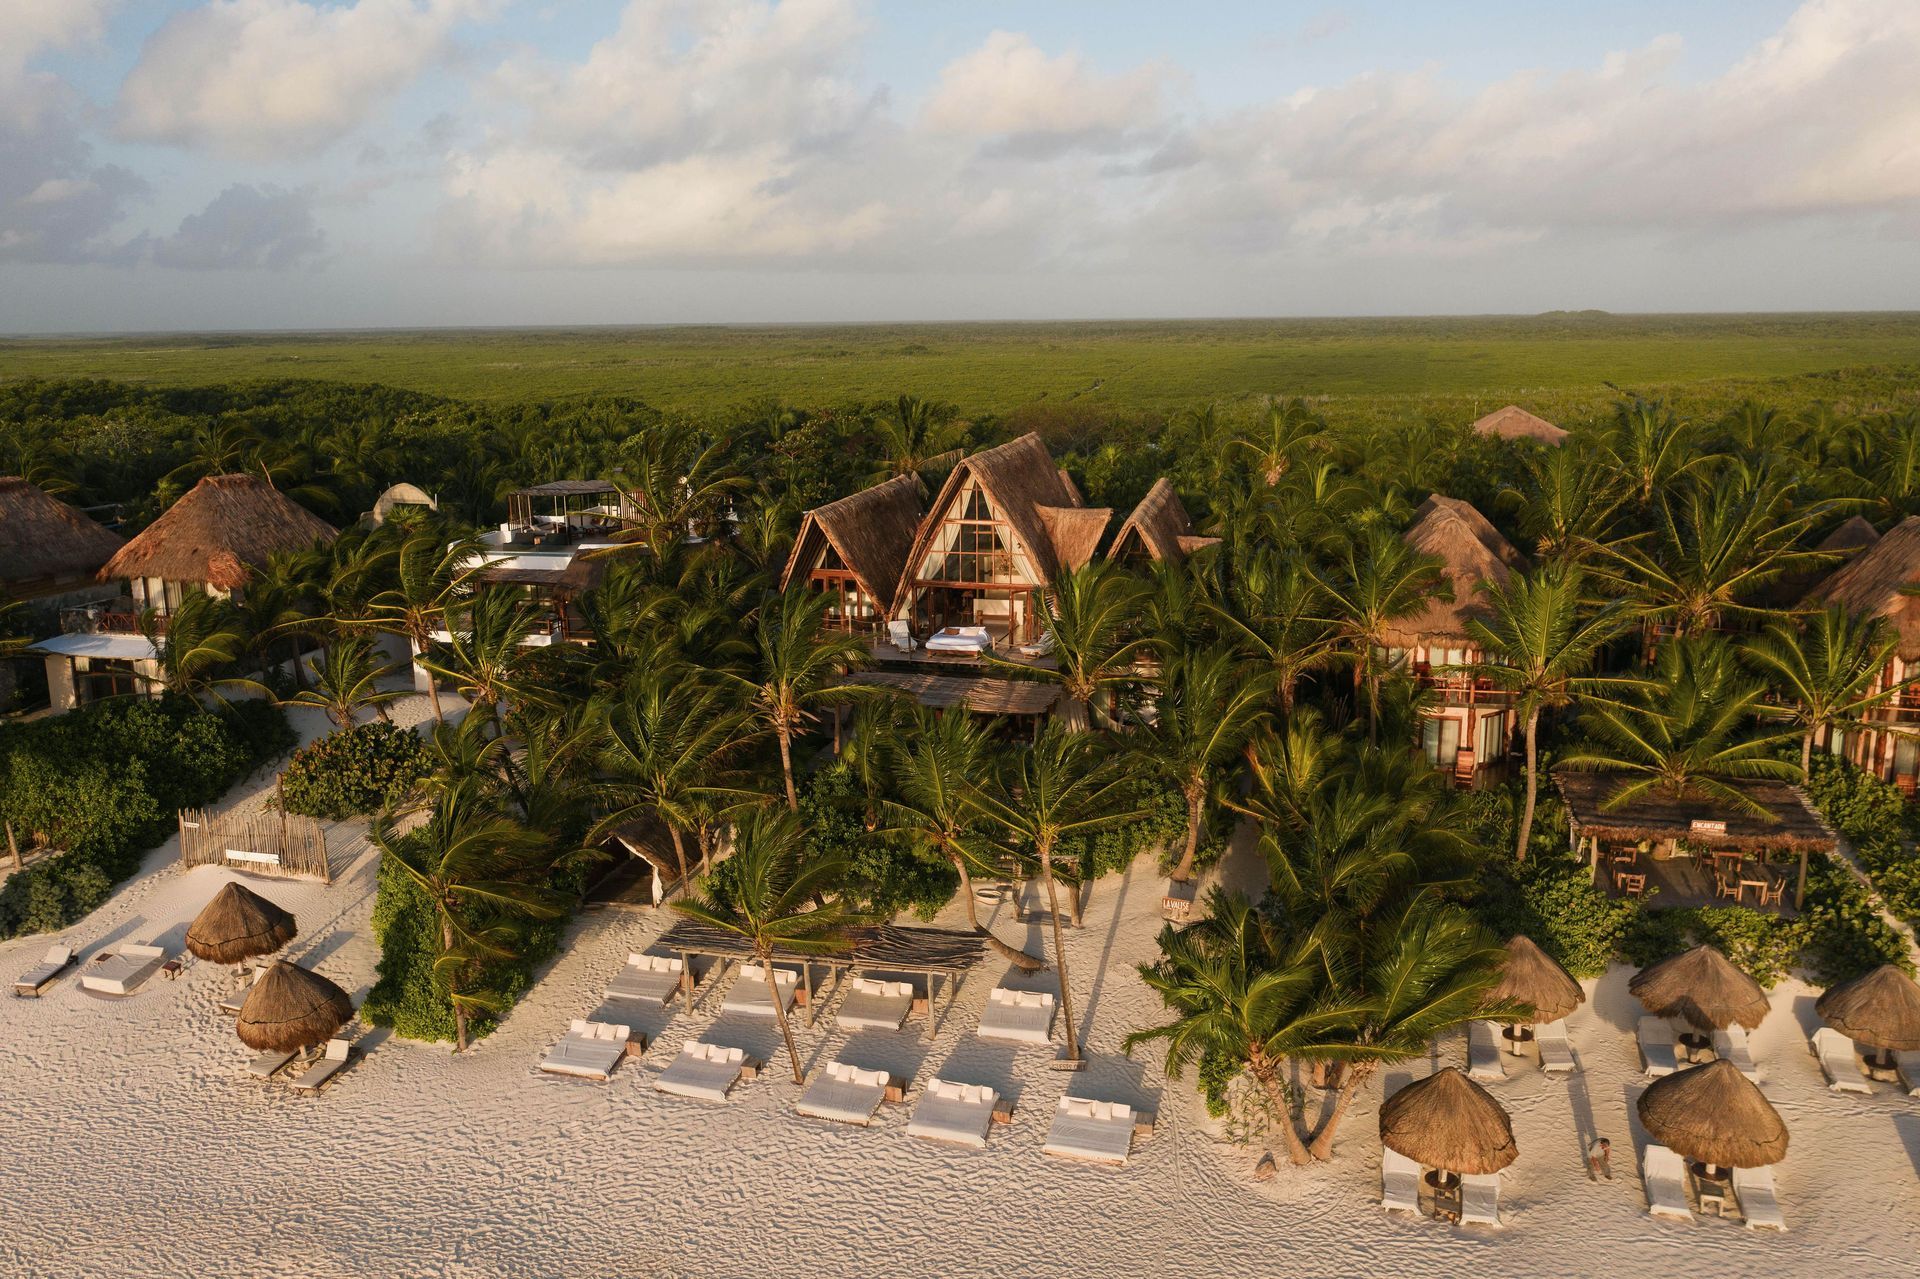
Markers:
(927, 953)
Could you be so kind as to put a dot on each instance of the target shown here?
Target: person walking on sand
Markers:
(1600, 1159)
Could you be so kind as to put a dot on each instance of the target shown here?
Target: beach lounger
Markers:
(1023, 1016)
(1753, 1188)
(589, 1050)
(653, 979)
(1731, 1045)
(232, 1004)
(42, 975)
(959, 1113)
(1666, 1176)
(702, 1071)
(875, 1005)
(1399, 1182)
(339, 1052)
(749, 995)
(1657, 1047)
(1480, 1199)
(122, 972)
(268, 1064)
(1556, 1054)
(1099, 1132)
(1483, 1052)
(1908, 1067)
(845, 1094)
(1839, 1060)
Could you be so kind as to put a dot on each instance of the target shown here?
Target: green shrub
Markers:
(355, 771)
(1858, 804)
(1844, 935)
(1217, 1070)
(1163, 827)
(1765, 946)
(409, 995)
(1554, 901)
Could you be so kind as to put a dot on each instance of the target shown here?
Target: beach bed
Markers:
(339, 1052)
(1099, 1132)
(1666, 1176)
(749, 995)
(1839, 1060)
(1483, 1052)
(589, 1050)
(652, 979)
(845, 1094)
(1731, 1045)
(268, 1064)
(1657, 1047)
(1556, 1054)
(1480, 1199)
(1023, 1016)
(123, 972)
(1399, 1182)
(875, 1005)
(702, 1071)
(957, 1113)
(42, 975)
(1753, 1188)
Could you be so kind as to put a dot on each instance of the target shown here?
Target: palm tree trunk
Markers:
(1533, 786)
(1322, 1147)
(459, 1013)
(680, 855)
(1806, 754)
(786, 767)
(780, 1012)
(1184, 871)
(1018, 958)
(433, 683)
(1059, 953)
(1267, 1075)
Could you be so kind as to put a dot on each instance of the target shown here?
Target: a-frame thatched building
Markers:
(1158, 530)
(855, 549)
(1515, 423)
(1873, 584)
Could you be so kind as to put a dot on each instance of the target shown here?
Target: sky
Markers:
(298, 164)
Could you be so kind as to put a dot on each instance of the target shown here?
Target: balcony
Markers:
(1455, 688)
(108, 617)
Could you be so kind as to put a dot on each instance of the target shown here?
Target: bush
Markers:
(1878, 821)
(1554, 901)
(353, 772)
(1163, 827)
(1762, 945)
(1844, 935)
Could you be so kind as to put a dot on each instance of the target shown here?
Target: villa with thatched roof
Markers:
(855, 550)
(1159, 529)
(46, 546)
(1471, 727)
(1872, 584)
(1515, 423)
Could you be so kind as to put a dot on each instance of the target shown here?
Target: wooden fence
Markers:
(282, 844)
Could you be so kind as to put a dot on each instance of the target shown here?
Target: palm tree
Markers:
(1065, 786)
(772, 888)
(1686, 732)
(803, 666)
(1649, 447)
(430, 577)
(918, 438)
(1378, 580)
(1209, 705)
(1292, 429)
(479, 869)
(1279, 616)
(937, 762)
(1537, 644)
(1094, 616)
(195, 644)
(484, 657)
(1829, 670)
(1568, 507)
(346, 680)
(667, 743)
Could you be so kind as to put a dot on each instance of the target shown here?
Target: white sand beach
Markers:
(138, 1145)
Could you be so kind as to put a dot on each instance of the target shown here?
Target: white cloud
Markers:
(263, 78)
(245, 228)
(1010, 88)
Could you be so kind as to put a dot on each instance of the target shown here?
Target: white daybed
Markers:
(1399, 1182)
(1839, 1060)
(1100, 1132)
(1753, 1188)
(122, 972)
(749, 995)
(1023, 1016)
(589, 1050)
(1657, 1047)
(702, 1071)
(652, 979)
(960, 639)
(1480, 1199)
(1483, 1052)
(875, 1005)
(1666, 1176)
(959, 1113)
(845, 1094)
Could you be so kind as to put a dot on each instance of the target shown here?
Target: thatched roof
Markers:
(238, 924)
(1869, 585)
(1472, 552)
(880, 946)
(981, 696)
(1159, 527)
(222, 530)
(1075, 532)
(42, 537)
(1653, 815)
(872, 531)
(1447, 1121)
(291, 1008)
(568, 488)
(1532, 977)
(1703, 988)
(1713, 1114)
(1880, 1009)
(1515, 423)
(1854, 535)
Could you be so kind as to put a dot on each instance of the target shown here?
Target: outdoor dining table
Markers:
(1757, 879)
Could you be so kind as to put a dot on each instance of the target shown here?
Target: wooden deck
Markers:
(1688, 882)
(885, 654)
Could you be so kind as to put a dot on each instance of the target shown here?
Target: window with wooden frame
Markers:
(975, 546)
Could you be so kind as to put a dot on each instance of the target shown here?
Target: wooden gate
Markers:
(282, 844)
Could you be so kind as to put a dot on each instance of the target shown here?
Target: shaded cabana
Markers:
(1535, 980)
(1515, 423)
(238, 925)
(1696, 850)
(853, 551)
(215, 539)
(291, 1008)
(559, 513)
(928, 953)
(1879, 1010)
(1704, 989)
(1714, 1117)
(1448, 1123)
(398, 495)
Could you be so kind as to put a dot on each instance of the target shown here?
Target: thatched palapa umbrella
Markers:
(1702, 988)
(290, 1009)
(237, 925)
(1716, 1117)
(1532, 978)
(1880, 1010)
(1448, 1122)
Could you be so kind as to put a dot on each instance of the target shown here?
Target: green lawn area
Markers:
(1389, 367)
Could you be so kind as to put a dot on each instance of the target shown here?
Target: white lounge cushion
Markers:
(1023, 1016)
(267, 1064)
(51, 965)
(589, 1050)
(958, 1113)
(749, 994)
(330, 1063)
(654, 978)
(1399, 1182)
(1657, 1046)
(1483, 1052)
(1731, 1045)
(1753, 1188)
(702, 1071)
(1665, 1174)
(1908, 1065)
(1098, 1131)
(1480, 1199)
(1556, 1054)
(844, 1093)
(1839, 1060)
(122, 972)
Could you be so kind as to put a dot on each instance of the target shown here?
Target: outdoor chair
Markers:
(123, 972)
(1480, 1199)
(43, 974)
(1753, 1188)
(653, 979)
(1731, 1045)
(339, 1052)
(589, 1050)
(1657, 1047)
(268, 1064)
(1665, 1174)
(1399, 1182)
(1556, 1054)
(1483, 1052)
(1839, 1061)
